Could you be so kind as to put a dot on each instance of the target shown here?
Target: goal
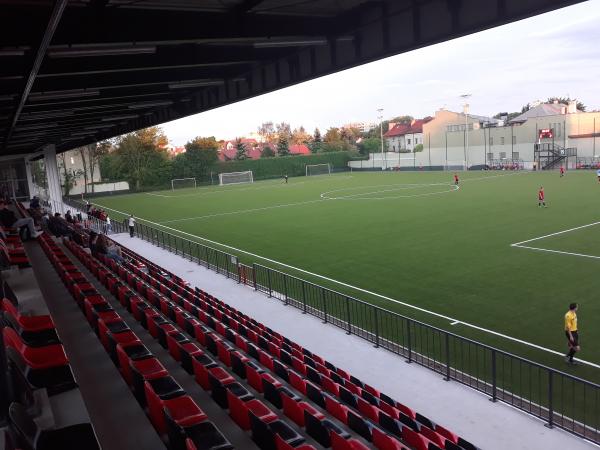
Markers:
(318, 169)
(456, 165)
(236, 177)
(179, 183)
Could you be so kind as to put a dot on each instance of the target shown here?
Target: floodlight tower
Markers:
(465, 97)
(380, 117)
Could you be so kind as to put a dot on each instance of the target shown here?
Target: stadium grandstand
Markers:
(122, 336)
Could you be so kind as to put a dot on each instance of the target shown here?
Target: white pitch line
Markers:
(241, 211)
(583, 255)
(455, 322)
(555, 234)
(408, 305)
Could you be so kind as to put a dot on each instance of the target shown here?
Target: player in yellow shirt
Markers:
(571, 332)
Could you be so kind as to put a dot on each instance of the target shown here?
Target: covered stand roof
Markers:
(74, 72)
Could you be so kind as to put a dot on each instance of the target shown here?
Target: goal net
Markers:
(236, 178)
(456, 165)
(318, 169)
(180, 183)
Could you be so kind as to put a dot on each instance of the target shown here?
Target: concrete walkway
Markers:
(491, 426)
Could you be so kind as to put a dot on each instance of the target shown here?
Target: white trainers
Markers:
(37, 234)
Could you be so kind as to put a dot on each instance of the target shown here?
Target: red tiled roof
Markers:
(299, 149)
(401, 129)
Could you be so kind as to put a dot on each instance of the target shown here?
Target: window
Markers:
(502, 140)
(408, 141)
(515, 155)
(490, 156)
(514, 140)
(394, 148)
(502, 155)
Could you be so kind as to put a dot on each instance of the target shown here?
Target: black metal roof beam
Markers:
(57, 12)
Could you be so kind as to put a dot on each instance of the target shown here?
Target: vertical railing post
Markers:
(550, 423)
(303, 297)
(447, 378)
(190, 249)
(207, 257)
(349, 330)
(254, 275)
(494, 377)
(227, 260)
(324, 305)
(376, 318)
(408, 341)
(269, 281)
(285, 289)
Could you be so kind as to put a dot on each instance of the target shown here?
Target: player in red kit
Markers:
(541, 197)
(456, 179)
(562, 171)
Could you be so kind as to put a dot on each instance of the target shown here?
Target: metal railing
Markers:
(555, 397)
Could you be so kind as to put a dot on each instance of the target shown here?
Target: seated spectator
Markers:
(109, 249)
(34, 203)
(59, 226)
(69, 217)
(93, 243)
(8, 219)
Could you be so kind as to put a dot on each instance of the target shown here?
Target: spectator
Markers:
(131, 223)
(69, 217)
(8, 219)
(35, 202)
(109, 249)
(93, 243)
(59, 226)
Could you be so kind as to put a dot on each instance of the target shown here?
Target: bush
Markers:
(291, 165)
(418, 148)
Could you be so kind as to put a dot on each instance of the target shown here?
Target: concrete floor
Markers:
(491, 426)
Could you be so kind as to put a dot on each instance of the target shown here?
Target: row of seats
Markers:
(396, 418)
(11, 249)
(267, 429)
(174, 414)
(36, 360)
(363, 416)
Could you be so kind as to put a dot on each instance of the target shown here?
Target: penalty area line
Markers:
(582, 255)
(359, 289)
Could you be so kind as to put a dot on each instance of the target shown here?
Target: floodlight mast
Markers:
(465, 97)
(380, 117)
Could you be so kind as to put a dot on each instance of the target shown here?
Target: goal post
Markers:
(456, 165)
(236, 177)
(318, 169)
(179, 183)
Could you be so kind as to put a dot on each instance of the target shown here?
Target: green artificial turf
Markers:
(412, 237)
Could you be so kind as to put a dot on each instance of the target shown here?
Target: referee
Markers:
(571, 333)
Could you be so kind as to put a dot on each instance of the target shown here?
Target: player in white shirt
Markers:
(131, 223)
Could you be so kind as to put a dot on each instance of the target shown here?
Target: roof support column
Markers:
(53, 177)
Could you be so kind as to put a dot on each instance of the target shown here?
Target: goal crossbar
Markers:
(236, 177)
(318, 169)
(190, 182)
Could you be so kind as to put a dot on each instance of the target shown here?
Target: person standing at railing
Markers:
(131, 223)
(572, 333)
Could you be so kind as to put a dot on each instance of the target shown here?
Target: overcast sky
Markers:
(557, 53)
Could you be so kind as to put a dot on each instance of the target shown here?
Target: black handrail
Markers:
(502, 375)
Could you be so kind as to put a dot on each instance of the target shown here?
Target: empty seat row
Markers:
(367, 406)
(267, 429)
(173, 413)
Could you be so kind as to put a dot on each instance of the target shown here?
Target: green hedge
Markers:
(293, 166)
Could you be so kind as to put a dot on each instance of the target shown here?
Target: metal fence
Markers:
(555, 397)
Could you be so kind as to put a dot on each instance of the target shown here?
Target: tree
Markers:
(300, 136)
(566, 100)
(369, 145)
(267, 152)
(82, 154)
(418, 148)
(240, 147)
(95, 152)
(509, 116)
(200, 154)
(143, 158)
(283, 148)
(267, 132)
(69, 176)
(317, 142)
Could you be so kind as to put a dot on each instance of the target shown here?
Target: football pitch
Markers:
(480, 259)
